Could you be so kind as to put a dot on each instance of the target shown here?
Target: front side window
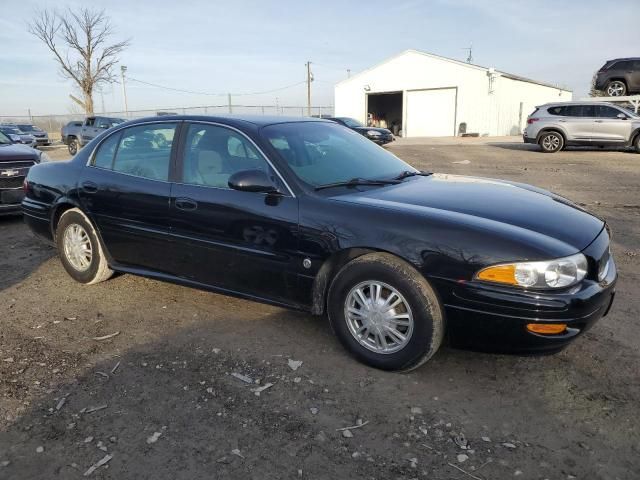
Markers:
(91, 122)
(143, 151)
(320, 153)
(213, 153)
(604, 111)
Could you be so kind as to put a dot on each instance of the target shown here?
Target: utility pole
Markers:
(229, 102)
(309, 80)
(348, 73)
(124, 90)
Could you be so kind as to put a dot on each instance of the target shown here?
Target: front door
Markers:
(238, 241)
(609, 127)
(126, 190)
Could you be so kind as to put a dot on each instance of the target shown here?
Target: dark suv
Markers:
(619, 77)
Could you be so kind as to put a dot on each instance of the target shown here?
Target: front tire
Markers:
(73, 146)
(616, 88)
(80, 249)
(385, 312)
(551, 142)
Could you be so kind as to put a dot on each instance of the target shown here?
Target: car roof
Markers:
(233, 119)
(586, 102)
(624, 58)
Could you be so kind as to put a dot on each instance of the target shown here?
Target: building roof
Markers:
(464, 64)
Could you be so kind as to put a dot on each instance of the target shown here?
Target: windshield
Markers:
(27, 128)
(320, 153)
(114, 121)
(630, 111)
(351, 122)
(4, 139)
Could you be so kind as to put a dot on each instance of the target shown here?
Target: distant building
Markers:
(424, 95)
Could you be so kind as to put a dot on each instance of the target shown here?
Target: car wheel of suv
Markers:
(636, 143)
(551, 142)
(616, 88)
(79, 248)
(385, 312)
(73, 146)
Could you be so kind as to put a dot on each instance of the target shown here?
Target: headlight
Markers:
(44, 158)
(558, 273)
(373, 133)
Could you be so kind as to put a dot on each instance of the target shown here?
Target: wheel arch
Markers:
(634, 136)
(552, 129)
(330, 268)
(61, 206)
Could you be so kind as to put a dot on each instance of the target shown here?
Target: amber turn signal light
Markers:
(547, 328)
(499, 274)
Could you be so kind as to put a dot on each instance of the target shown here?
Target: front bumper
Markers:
(382, 140)
(11, 201)
(490, 317)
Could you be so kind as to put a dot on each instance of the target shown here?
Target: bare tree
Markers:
(80, 45)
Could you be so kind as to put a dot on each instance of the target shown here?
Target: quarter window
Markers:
(145, 151)
(213, 153)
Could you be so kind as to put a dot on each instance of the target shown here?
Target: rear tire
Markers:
(73, 146)
(80, 249)
(551, 142)
(616, 88)
(385, 313)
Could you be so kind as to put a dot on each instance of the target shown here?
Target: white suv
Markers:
(556, 125)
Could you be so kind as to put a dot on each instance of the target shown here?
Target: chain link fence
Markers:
(52, 124)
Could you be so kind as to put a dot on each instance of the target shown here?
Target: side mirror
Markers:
(622, 116)
(252, 181)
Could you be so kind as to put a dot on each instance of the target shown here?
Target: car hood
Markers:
(509, 203)
(366, 129)
(16, 151)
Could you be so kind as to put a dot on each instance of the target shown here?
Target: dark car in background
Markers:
(18, 136)
(305, 214)
(619, 77)
(381, 136)
(42, 137)
(15, 162)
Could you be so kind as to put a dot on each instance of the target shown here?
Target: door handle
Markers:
(562, 121)
(598, 121)
(186, 204)
(89, 187)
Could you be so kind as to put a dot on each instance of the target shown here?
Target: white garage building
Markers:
(419, 94)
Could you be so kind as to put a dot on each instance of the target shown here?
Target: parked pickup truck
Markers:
(75, 136)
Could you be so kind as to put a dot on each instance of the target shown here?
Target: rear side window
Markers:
(624, 65)
(104, 155)
(145, 151)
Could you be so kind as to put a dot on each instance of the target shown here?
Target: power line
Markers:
(164, 87)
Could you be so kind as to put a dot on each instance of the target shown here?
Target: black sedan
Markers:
(15, 162)
(381, 136)
(309, 215)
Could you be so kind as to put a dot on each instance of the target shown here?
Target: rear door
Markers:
(239, 241)
(126, 190)
(578, 121)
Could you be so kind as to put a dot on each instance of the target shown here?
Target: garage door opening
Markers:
(384, 110)
(431, 112)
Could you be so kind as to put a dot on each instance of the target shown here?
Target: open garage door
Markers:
(431, 113)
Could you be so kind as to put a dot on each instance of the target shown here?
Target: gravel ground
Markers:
(159, 400)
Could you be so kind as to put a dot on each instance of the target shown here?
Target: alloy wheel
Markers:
(551, 142)
(378, 317)
(77, 247)
(616, 89)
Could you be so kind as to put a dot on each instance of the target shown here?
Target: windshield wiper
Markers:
(357, 181)
(412, 173)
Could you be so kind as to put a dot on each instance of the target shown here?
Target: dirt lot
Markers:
(160, 397)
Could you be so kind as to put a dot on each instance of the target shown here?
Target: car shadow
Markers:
(20, 251)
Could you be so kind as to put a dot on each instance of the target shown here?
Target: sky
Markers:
(246, 46)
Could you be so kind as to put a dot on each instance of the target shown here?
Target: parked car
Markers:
(15, 162)
(304, 214)
(556, 125)
(381, 136)
(90, 128)
(70, 131)
(619, 77)
(18, 136)
(42, 137)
